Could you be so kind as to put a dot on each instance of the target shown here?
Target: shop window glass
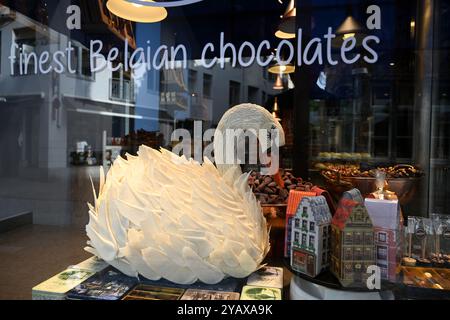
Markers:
(25, 41)
(351, 118)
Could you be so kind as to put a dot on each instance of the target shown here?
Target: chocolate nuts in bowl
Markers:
(404, 180)
(404, 188)
(273, 195)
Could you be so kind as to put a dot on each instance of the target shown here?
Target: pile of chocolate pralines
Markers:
(268, 191)
(332, 171)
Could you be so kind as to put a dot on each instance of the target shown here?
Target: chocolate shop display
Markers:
(369, 232)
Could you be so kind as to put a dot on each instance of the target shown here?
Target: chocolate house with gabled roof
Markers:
(295, 197)
(352, 235)
(310, 240)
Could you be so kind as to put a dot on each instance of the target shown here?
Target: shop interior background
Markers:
(56, 129)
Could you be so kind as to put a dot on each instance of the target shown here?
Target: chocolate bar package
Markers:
(109, 284)
(271, 277)
(227, 285)
(440, 258)
(260, 293)
(57, 287)
(195, 294)
(148, 292)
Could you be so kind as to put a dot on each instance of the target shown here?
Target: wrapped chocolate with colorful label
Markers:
(440, 258)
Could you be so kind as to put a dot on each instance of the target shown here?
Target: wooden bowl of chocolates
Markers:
(273, 192)
(403, 180)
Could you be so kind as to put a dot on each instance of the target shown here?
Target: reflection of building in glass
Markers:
(203, 94)
(57, 127)
(54, 120)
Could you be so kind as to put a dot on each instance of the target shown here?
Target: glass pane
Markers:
(74, 98)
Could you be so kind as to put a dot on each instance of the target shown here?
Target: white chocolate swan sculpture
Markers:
(163, 216)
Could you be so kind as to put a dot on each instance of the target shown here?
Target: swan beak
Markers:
(278, 179)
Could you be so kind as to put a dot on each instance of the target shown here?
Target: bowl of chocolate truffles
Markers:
(273, 191)
(403, 180)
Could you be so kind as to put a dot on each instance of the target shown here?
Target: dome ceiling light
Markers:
(146, 11)
(137, 12)
(282, 69)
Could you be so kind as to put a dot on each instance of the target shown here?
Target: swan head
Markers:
(248, 117)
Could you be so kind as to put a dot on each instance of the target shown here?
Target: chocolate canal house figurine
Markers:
(310, 240)
(352, 234)
(295, 197)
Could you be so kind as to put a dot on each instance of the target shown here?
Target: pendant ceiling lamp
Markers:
(137, 12)
(281, 69)
(287, 24)
(278, 83)
(283, 35)
(349, 28)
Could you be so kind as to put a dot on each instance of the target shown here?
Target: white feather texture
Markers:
(163, 216)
